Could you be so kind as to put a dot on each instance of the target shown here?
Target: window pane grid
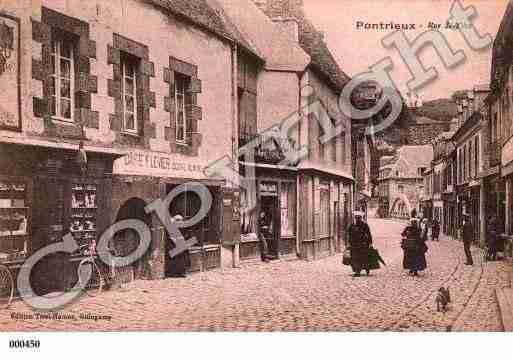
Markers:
(129, 86)
(181, 121)
(288, 209)
(62, 80)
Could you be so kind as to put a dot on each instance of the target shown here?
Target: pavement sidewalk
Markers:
(505, 302)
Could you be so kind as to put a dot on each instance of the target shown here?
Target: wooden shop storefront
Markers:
(276, 197)
(142, 177)
(309, 207)
(468, 204)
(507, 202)
(44, 195)
(449, 225)
(325, 201)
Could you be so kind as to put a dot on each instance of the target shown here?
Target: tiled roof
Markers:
(265, 38)
(232, 28)
(322, 61)
(444, 136)
(466, 126)
(199, 12)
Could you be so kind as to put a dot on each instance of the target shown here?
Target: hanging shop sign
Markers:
(268, 188)
(10, 96)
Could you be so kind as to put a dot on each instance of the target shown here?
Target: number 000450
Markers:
(24, 344)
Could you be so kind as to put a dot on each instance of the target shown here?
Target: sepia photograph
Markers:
(261, 166)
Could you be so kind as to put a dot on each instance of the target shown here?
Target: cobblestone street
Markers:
(301, 296)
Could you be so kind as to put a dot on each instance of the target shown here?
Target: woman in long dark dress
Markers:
(181, 262)
(414, 248)
(360, 239)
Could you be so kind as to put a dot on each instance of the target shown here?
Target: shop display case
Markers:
(83, 221)
(14, 219)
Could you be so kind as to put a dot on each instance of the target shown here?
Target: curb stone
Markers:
(504, 299)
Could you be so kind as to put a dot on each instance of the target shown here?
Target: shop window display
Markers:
(14, 217)
(83, 213)
(288, 209)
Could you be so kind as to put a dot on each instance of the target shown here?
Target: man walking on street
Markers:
(468, 237)
(265, 228)
(435, 229)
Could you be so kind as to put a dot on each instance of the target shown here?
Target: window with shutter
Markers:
(64, 70)
(184, 86)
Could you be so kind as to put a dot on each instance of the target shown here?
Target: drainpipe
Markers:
(235, 139)
(298, 189)
(482, 215)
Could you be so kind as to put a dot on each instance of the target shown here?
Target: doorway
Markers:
(269, 225)
(206, 232)
(127, 241)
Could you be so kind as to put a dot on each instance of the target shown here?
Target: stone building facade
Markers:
(107, 114)
(308, 200)
(500, 129)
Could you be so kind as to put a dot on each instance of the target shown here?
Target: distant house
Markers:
(400, 181)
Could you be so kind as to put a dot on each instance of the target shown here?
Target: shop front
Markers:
(495, 192)
(438, 211)
(46, 193)
(324, 213)
(507, 177)
(274, 217)
(468, 204)
(142, 177)
(449, 226)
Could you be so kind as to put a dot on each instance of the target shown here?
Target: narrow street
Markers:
(301, 296)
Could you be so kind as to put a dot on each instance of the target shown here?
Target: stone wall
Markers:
(163, 43)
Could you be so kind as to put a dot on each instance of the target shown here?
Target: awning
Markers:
(59, 145)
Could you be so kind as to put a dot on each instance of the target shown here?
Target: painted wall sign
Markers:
(268, 187)
(10, 95)
(159, 164)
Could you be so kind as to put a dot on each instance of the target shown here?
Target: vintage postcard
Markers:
(255, 166)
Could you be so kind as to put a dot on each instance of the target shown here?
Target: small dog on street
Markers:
(443, 297)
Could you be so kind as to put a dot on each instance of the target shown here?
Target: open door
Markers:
(270, 224)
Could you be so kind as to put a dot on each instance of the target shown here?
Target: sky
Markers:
(357, 49)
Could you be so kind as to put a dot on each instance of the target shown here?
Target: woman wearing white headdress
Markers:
(181, 261)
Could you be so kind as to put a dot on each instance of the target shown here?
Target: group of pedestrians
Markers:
(362, 255)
